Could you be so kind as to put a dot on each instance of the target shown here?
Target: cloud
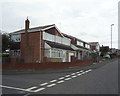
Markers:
(89, 20)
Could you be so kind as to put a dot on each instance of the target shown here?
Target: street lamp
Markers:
(111, 36)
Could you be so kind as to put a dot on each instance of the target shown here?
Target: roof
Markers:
(81, 47)
(35, 28)
(93, 42)
(74, 38)
(57, 45)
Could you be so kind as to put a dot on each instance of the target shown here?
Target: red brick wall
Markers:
(53, 31)
(30, 45)
(21, 66)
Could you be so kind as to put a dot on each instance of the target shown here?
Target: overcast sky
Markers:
(89, 20)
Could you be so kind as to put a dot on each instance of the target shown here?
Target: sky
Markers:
(88, 20)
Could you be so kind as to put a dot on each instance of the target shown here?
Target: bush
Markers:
(5, 54)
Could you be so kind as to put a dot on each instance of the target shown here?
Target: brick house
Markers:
(46, 44)
(95, 46)
(81, 47)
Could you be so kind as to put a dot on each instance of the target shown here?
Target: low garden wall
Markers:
(47, 65)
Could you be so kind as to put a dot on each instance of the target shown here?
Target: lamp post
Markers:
(111, 36)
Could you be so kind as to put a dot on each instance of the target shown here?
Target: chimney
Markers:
(27, 22)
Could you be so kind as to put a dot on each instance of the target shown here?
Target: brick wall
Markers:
(48, 65)
(53, 31)
(30, 46)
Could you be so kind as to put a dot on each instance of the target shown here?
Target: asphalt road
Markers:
(101, 78)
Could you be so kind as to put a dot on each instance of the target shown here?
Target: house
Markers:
(95, 46)
(46, 44)
(104, 49)
(81, 47)
(41, 43)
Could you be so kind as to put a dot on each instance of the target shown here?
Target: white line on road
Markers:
(60, 81)
(81, 70)
(53, 81)
(77, 72)
(88, 70)
(67, 75)
(51, 85)
(31, 88)
(61, 78)
(40, 89)
(9, 87)
(43, 84)
(74, 76)
(67, 78)
(73, 73)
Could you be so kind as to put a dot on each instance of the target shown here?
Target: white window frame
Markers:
(15, 40)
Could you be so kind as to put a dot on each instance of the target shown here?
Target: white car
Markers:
(106, 56)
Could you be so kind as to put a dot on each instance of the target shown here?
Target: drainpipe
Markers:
(40, 46)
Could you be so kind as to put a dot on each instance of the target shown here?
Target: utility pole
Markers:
(111, 36)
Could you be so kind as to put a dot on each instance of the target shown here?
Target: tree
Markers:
(5, 41)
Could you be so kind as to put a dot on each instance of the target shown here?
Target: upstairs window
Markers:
(80, 43)
(16, 38)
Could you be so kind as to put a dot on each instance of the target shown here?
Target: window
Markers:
(56, 53)
(47, 52)
(79, 43)
(66, 41)
(57, 39)
(16, 38)
(47, 36)
(15, 52)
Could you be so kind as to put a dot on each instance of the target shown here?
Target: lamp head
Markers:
(112, 24)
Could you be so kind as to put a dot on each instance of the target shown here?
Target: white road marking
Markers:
(81, 70)
(74, 76)
(79, 74)
(88, 70)
(26, 94)
(60, 81)
(61, 78)
(51, 85)
(40, 89)
(43, 84)
(73, 73)
(67, 75)
(53, 81)
(31, 88)
(9, 87)
(67, 78)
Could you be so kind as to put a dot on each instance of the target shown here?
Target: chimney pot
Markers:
(27, 22)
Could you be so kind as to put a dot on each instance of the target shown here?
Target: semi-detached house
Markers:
(46, 44)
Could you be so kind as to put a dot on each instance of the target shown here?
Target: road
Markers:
(101, 78)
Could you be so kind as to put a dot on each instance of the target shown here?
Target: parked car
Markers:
(106, 56)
